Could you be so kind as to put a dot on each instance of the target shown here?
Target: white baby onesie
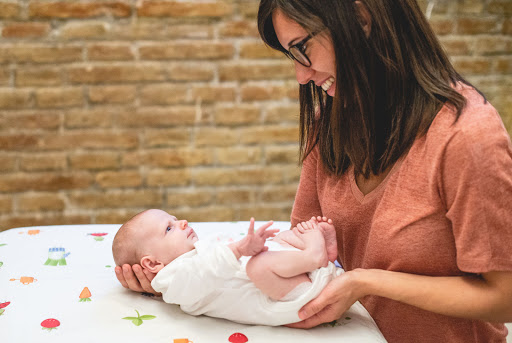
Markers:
(209, 280)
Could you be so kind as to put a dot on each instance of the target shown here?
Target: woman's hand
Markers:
(333, 301)
(136, 278)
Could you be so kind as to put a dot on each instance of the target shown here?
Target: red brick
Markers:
(472, 65)
(189, 198)
(116, 73)
(502, 7)
(213, 213)
(159, 30)
(117, 179)
(213, 93)
(9, 10)
(7, 162)
(283, 113)
(165, 138)
(456, 46)
(270, 134)
(169, 158)
(64, 10)
(83, 30)
(110, 52)
(30, 120)
(504, 65)
(89, 118)
(94, 160)
(59, 97)
(265, 90)
(5, 76)
(471, 25)
(233, 156)
(29, 53)
(238, 176)
(239, 28)
(26, 30)
(507, 26)
(44, 182)
(5, 204)
(282, 154)
(19, 141)
(237, 115)
(15, 98)
(112, 94)
(41, 162)
(284, 193)
(161, 117)
(191, 72)
(38, 76)
(163, 94)
(234, 196)
(183, 9)
(442, 25)
(116, 199)
(40, 202)
(493, 45)
(216, 136)
(168, 177)
(89, 139)
(236, 71)
(259, 50)
(186, 50)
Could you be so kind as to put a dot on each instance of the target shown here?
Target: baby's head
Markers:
(153, 239)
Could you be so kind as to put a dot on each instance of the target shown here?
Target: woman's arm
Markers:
(487, 297)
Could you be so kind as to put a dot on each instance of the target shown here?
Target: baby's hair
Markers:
(125, 249)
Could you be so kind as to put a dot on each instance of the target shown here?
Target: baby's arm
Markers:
(254, 242)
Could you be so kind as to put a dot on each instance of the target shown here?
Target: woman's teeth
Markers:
(327, 84)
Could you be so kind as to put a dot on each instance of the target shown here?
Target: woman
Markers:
(411, 163)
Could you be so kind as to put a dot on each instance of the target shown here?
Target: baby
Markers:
(244, 281)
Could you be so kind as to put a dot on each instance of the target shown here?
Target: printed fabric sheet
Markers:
(57, 284)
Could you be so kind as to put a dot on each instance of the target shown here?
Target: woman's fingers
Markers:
(120, 276)
(130, 278)
(142, 279)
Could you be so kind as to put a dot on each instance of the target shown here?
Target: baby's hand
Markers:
(254, 242)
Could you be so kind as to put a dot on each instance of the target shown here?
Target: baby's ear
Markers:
(151, 263)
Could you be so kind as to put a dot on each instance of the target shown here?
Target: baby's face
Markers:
(167, 237)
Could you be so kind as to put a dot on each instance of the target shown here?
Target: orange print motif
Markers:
(26, 280)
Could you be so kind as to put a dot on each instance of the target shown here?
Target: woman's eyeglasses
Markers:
(297, 51)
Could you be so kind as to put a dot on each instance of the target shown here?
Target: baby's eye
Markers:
(168, 229)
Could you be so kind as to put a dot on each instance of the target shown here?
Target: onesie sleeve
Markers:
(306, 202)
(476, 184)
(188, 281)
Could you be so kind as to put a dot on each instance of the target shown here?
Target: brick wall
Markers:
(111, 107)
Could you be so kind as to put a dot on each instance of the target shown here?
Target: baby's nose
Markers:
(183, 224)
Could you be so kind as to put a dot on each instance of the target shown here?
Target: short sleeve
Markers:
(476, 184)
(306, 202)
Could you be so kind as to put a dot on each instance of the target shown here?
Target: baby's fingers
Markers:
(265, 226)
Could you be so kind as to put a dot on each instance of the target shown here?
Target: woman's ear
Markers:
(365, 18)
(151, 263)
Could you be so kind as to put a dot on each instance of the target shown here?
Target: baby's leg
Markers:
(276, 273)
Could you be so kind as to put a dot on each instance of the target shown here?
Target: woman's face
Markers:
(319, 49)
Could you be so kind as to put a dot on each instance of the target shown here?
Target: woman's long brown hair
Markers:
(389, 86)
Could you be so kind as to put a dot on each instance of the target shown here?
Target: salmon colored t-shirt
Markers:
(445, 209)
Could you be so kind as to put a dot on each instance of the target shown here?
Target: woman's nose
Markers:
(302, 73)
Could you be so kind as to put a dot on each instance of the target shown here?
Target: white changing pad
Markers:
(57, 284)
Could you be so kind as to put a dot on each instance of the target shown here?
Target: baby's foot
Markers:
(329, 232)
(314, 243)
